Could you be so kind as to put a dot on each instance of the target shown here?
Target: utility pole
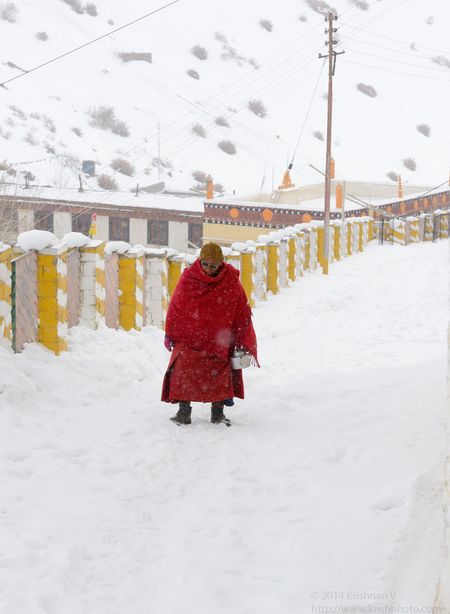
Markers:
(331, 68)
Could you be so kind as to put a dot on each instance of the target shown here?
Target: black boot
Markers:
(183, 415)
(217, 415)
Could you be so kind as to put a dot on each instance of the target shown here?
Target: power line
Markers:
(91, 42)
(381, 57)
(397, 72)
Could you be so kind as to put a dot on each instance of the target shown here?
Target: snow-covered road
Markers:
(326, 491)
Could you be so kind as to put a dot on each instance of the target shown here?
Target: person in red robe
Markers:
(208, 318)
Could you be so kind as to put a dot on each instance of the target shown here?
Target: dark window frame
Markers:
(44, 220)
(157, 232)
(119, 229)
(195, 233)
(81, 223)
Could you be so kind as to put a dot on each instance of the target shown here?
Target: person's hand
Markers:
(169, 343)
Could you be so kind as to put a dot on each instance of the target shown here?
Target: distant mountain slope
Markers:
(229, 89)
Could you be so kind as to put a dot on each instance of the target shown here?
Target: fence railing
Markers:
(43, 293)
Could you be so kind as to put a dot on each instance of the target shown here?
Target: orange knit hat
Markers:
(212, 252)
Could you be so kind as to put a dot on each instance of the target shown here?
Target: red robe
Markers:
(207, 318)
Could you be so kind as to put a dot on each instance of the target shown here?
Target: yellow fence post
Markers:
(292, 258)
(337, 241)
(261, 271)
(428, 232)
(131, 290)
(175, 262)
(247, 275)
(52, 298)
(349, 238)
(6, 253)
(320, 245)
(360, 226)
(272, 268)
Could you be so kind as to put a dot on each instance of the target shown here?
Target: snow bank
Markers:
(36, 239)
(75, 239)
(117, 247)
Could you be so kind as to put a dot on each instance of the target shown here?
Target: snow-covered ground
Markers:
(327, 490)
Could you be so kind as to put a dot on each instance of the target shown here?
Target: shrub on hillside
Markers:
(441, 60)
(106, 182)
(368, 90)
(8, 12)
(222, 121)
(266, 24)
(77, 131)
(91, 9)
(123, 166)
(42, 36)
(227, 146)
(193, 73)
(200, 52)
(104, 117)
(257, 107)
(302, 18)
(424, 129)
(199, 130)
(75, 5)
(360, 4)
(318, 135)
(136, 57)
(392, 176)
(410, 164)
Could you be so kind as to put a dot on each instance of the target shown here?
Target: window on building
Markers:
(157, 232)
(195, 234)
(81, 223)
(119, 229)
(43, 220)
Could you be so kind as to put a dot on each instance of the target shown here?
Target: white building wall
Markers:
(62, 223)
(178, 236)
(138, 231)
(102, 228)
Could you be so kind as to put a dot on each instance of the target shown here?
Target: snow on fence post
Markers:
(131, 289)
(399, 231)
(444, 234)
(313, 248)
(283, 263)
(365, 231)
(92, 283)
(261, 272)
(371, 229)
(298, 238)
(413, 229)
(306, 248)
(273, 245)
(232, 257)
(359, 235)
(428, 227)
(52, 298)
(156, 286)
(6, 253)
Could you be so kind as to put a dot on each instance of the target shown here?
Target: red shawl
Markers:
(207, 318)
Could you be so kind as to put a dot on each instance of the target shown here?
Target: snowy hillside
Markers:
(194, 67)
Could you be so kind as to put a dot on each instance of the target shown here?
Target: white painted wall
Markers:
(138, 231)
(102, 228)
(178, 236)
(62, 223)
